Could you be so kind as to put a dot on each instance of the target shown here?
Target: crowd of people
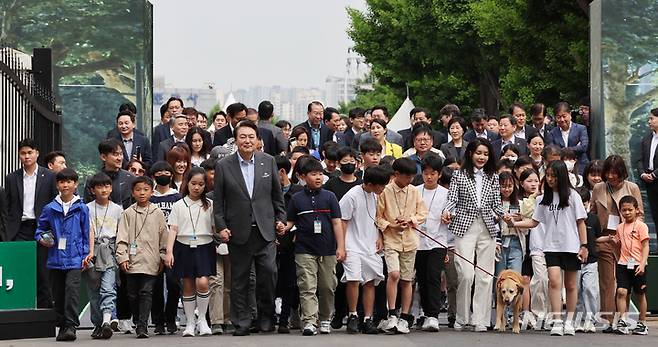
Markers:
(253, 226)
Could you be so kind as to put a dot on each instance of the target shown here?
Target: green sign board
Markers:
(18, 279)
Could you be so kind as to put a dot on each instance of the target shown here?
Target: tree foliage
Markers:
(475, 53)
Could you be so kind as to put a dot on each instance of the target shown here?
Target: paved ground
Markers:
(446, 337)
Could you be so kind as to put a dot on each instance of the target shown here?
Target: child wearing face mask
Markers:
(569, 158)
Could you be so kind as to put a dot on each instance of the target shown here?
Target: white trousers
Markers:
(539, 304)
(475, 242)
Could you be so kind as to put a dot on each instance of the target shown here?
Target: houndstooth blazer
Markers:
(462, 203)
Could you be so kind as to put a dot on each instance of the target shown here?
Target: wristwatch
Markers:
(583, 245)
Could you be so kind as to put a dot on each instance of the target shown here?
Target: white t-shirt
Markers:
(359, 209)
(560, 227)
(435, 200)
(199, 225)
(104, 219)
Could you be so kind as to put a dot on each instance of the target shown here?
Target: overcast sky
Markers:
(292, 43)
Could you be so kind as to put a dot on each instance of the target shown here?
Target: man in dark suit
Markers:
(265, 114)
(479, 127)
(134, 144)
(319, 132)
(358, 120)
(163, 131)
(249, 210)
(236, 113)
(570, 135)
(419, 114)
(648, 163)
(538, 112)
(29, 189)
(130, 107)
(506, 132)
(523, 130)
(180, 128)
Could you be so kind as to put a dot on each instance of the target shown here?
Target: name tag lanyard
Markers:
(365, 197)
(97, 229)
(133, 244)
(194, 224)
(429, 208)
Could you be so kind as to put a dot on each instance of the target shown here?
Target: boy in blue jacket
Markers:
(63, 227)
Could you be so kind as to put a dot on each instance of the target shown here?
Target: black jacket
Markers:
(269, 145)
(121, 188)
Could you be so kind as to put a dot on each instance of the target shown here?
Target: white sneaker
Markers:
(391, 324)
(458, 326)
(125, 326)
(402, 326)
(529, 319)
(589, 327)
(190, 328)
(203, 328)
(325, 327)
(431, 324)
(557, 329)
(568, 328)
(382, 324)
(309, 330)
(480, 329)
(426, 324)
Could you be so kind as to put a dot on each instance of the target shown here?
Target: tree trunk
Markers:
(489, 93)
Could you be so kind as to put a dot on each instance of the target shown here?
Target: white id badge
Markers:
(506, 242)
(631, 264)
(61, 243)
(317, 226)
(133, 249)
(613, 222)
(193, 243)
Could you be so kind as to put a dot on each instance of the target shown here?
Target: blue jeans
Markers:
(102, 299)
(588, 291)
(511, 255)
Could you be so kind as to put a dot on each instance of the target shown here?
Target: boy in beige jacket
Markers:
(141, 247)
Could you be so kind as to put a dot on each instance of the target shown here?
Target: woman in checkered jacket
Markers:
(473, 212)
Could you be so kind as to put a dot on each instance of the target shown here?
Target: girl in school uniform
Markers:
(472, 212)
(190, 249)
(561, 213)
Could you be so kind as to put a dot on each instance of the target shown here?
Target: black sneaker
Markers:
(283, 328)
(66, 334)
(451, 322)
(622, 328)
(106, 331)
(336, 322)
(142, 333)
(640, 329)
(419, 322)
(60, 334)
(96, 333)
(352, 324)
(172, 328)
(608, 330)
(159, 329)
(369, 327)
(229, 329)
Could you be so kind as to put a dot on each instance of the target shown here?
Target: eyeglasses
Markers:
(422, 139)
(137, 171)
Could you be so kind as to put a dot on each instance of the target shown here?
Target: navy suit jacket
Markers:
(578, 141)
(145, 151)
(548, 137)
(161, 132)
(519, 142)
(470, 135)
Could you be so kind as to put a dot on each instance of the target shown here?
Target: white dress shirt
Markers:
(520, 133)
(478, 174)
(29, 193)
(128, 145)
(565, 136)
(652, 153)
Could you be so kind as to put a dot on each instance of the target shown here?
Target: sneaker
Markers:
(451, 322)
(325, 327)
(352, 324)
(403, 326)
(622, 328)
(480, 328)
(217, 329)
(142, 333)
(336, 323)
(609, 329)
(369, 327)
(125, 326)
(228, 329)
(529, 319)
(589, 327)
(458, 326)
(159, 329)
(69, 334)
(391, 325)
(557, 329)
(114, 323)
(96, 333)
(309, 330)
(431, 324)
(190, 329)
(421, 322)
(172, 328)
(569, 329)
(283, 328)
(640, 329)
(203, 328)
(106, 331)
(382, 324)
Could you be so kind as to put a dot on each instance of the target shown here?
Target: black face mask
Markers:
(347, 169)
(163, 180)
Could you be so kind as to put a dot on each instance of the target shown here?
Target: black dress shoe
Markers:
(255, 327)
(283, 328)
(159, 329)
(241, 331)
(266, 326)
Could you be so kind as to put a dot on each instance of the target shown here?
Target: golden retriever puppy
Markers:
(509, 292)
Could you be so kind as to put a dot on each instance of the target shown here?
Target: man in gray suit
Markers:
(265, 114)
(248, 209)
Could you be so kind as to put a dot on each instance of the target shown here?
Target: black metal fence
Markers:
(27, 105)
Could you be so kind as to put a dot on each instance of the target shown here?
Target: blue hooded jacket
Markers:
(74, 227)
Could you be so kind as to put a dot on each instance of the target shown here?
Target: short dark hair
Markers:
(283, 163)
(478, 114)
(126, 113)
(161, 166)
(346, 152)
(509, 117)
(245, 124)
(128, 106)
(419, 109)
(654, 112)
(235, 108)
(300, 149)
(315, 102)
(190, 111)
(208, 164)
(387, 159)
(265, 110)
(99, 179)
(516, 105)
(616, 164)
(283, 123)
(449, 110)
(550, 150)
(110, 145)
(376, 175)
(380, 107)
(404, 166)
(459, 120)
(50, 157)
(538, 108)
(141, 179)
(328, 113)
(381, 122)
(562, 106)
(67, 174)
(628, 199)
(163, 110)
(218, 113)
(370, 145)
(421, 128)
(310, 165)
(432, 161)
(173, 98)
(446, 175)
(330, 151)
(357, 112)
(28, 142)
